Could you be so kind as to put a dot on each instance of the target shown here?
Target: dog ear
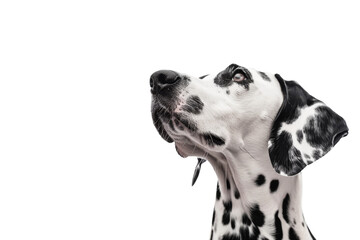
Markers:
(304, 130)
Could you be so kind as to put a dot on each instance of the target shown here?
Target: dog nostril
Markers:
(168, 78)
(177, 78)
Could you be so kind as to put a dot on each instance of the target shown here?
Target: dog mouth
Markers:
(175, 122)
(180, 127)
(177, 111)
(174, 117)
(172, 125)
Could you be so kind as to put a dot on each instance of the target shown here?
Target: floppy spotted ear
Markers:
(304, 130)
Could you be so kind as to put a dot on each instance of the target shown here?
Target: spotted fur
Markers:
(193, 105)
(274, 184)
(264, 76)
(304, 130)
(226, 118)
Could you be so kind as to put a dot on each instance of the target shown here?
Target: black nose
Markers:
(163, 79)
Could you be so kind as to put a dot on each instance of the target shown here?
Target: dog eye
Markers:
(238, 77)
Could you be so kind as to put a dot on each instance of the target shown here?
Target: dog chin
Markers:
(180, 152)
(189, 150)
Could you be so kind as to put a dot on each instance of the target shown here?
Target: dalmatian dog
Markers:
(258, 132)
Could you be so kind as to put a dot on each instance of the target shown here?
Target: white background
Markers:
(79, 156)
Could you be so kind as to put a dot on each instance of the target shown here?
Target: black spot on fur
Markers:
(302, 223)
(246, 220)
(264, 76)
(218, 193)
(306, 156)
(278, 234)
(274, 184)
(322, 129)
(225, 78)
(285, 207)
(203, 76)
(228, 206)
(237, 194)
(280, 157)
(316, 154)
(244, 233)
(229, 236)
(294, 221)
(228, 92)
(213, 218)
(299, 135)
(260, 180)
(189, 124)
(228, 184)
(212, 139)
(264, 238)
(226, 218)
(257, 216)
(294, 117)
(255, 233)
(227, 211)
(293, 235)
(193, 105)
(312, 236)
(233, 223)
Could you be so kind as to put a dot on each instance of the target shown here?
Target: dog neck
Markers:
(255, 202)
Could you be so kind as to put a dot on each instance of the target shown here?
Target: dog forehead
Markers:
(222, 109)
(263, 93)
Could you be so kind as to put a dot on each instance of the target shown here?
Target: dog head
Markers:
(240, 109)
